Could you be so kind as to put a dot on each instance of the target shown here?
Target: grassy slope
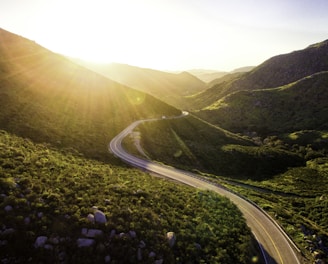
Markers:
(191, 143)
(51, 193)
(290, 172)
(47, 98)
(297, 106)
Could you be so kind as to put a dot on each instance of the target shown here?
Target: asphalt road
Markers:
(274, 243)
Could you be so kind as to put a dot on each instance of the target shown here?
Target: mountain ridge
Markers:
(276, 71)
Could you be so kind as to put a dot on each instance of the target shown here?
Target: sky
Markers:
(169, 34)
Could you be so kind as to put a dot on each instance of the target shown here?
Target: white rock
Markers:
(85, 242)
(171, 238)
(40, 241)
(91, 218)
(100, 217)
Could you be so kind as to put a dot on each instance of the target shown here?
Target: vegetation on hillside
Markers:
(301, 105)
(190, 143)
(285, 174)
(276, 71)
(47, 98)
(49, 193)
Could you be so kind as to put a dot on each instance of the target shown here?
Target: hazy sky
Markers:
(169, 34)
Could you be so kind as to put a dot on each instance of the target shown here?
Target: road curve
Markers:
(274, 243)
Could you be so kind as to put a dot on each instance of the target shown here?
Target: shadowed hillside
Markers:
(47, 98)
(296, 106)
(276, 71)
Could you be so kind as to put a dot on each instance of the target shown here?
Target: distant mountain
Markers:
(207, 75)
(276, 71)
(169, 87)
(243, 69)
(47, 98)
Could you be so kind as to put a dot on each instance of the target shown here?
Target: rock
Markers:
(8, 208)
(92, 233)
(8, 231)
(171, 238)
(142, 244)
(107, 259)
(159, 261)
(152, 254)
(91, 218)
(132, 234)
(40, 241)
(27, 220)
(85, 242)
(54, 240)
(48, 246)
(100, 217)
(40, 214)
(84, 231)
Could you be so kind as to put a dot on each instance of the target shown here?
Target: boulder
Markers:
(40, 241)
(92, 233)
(85, 242)
(8, 208)
(132, 234)
(100, 217)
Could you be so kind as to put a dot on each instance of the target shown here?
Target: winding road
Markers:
(275, 245)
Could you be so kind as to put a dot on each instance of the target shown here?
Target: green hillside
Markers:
(168, 87)
(190, 143)
(47, 98)
(301, 105)
(51, 195)
(276, 71)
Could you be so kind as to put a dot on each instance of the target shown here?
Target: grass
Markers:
(212, 150)
(52, 192)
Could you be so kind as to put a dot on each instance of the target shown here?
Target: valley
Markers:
(260, 132)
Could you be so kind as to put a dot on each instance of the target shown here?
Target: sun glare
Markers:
(118, 31)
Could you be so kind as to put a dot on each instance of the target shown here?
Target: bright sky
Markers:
(169, 34)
